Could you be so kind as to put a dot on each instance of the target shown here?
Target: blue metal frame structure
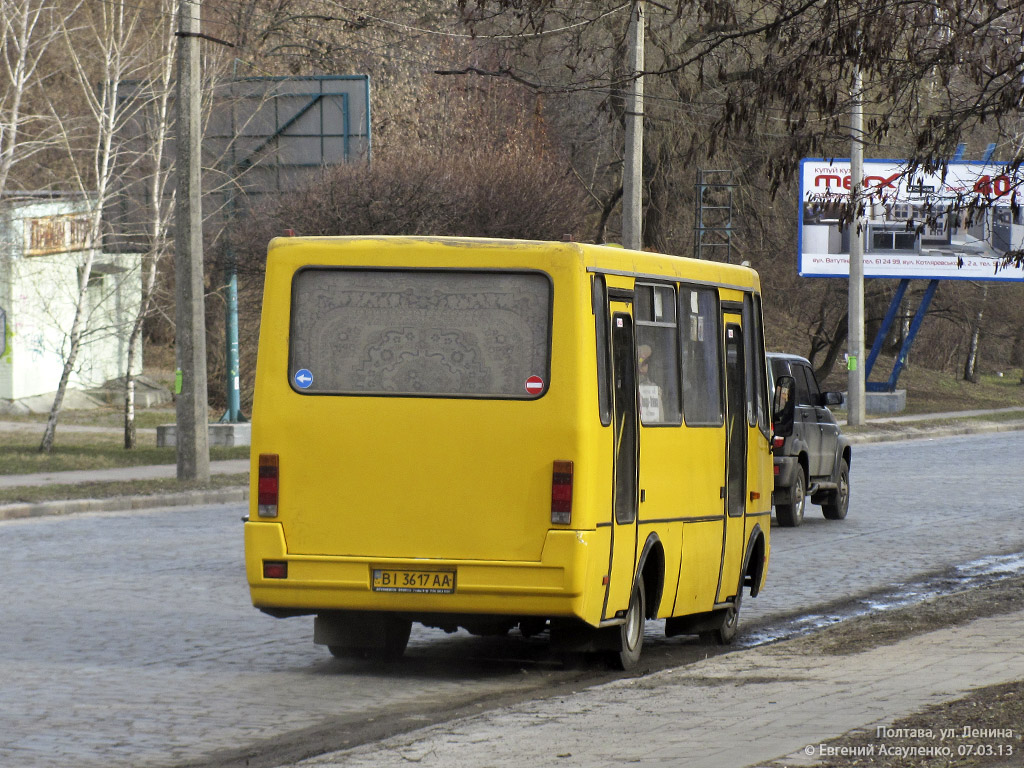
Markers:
(883, 331)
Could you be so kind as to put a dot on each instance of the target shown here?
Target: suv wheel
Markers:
(838, 502)
(791, 515)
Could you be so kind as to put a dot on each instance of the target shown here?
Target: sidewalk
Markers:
(924, 425)
(127, 501)
(753, 707)
(118, 474)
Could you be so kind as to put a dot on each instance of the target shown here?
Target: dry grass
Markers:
(931, 391)
(19, 452)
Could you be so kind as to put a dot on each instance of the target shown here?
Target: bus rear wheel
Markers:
(728, 623)
(631, 632)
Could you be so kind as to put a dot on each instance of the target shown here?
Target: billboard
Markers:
(915, 225)
(262, 136)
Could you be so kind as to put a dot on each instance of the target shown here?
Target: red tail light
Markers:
(561, 493)
(275, 569)
(778, 442)
(267, 485)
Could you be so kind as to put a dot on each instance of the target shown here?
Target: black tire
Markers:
(791, 515)
(728, 626)
(345, 652)
(631, 633)
(838, 502)
(395, 638)
(530, 627)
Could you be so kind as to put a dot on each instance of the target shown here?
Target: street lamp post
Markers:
(855, 413)
(632, 170)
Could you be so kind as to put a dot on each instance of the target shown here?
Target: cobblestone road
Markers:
(128, 639)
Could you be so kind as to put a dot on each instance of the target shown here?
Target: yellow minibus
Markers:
(490, 434)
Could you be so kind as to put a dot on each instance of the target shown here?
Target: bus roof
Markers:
(378, 250)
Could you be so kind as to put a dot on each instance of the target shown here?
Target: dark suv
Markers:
(815, 460)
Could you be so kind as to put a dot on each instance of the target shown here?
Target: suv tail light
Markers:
(267, 485)
(561, 493)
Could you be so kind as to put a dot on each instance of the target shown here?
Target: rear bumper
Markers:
(785, 469)
(565, 582)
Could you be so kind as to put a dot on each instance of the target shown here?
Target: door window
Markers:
(756, 366)
(803, 396)
(624, 367)
(813, 393)
(657, 355)
(736, 428)
(599, 304)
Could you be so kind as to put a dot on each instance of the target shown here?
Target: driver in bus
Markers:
(649, 391)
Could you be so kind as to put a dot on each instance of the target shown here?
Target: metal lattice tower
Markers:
(713, 215)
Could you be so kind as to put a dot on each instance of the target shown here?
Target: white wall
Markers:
(38, 291)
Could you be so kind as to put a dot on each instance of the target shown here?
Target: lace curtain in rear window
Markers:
(420, 332)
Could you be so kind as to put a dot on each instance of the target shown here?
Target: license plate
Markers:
(402, 580)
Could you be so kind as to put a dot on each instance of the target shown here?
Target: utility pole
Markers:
(192, 436)
(632, 169)
(855, 413)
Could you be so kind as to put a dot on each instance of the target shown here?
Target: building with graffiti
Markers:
(44, 244)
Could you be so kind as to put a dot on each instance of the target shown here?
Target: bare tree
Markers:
(106, 48)
(27, 30)
(971, 364)
(936, 68)
(157, 120)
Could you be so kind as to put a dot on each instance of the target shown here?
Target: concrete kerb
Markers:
(908, 431)
(123, 503)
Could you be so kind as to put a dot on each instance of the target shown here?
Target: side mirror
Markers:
(783, 406)
(833, 398)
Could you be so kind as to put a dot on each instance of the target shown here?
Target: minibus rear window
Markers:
(420, 333)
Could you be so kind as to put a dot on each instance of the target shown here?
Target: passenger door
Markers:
(807, 416)
(735, 489)
(828, 429)
(626, 458)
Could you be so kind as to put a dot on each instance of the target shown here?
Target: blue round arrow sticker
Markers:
(303, 378)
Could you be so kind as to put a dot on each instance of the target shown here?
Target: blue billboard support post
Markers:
(233, 413)
(883, 331)
(232, 369)
(915, 326)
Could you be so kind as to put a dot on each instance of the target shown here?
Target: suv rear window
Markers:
(420, 333)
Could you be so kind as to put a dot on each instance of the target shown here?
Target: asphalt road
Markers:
(127, 639)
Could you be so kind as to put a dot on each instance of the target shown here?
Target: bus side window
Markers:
(599, 304)
(700, 344)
